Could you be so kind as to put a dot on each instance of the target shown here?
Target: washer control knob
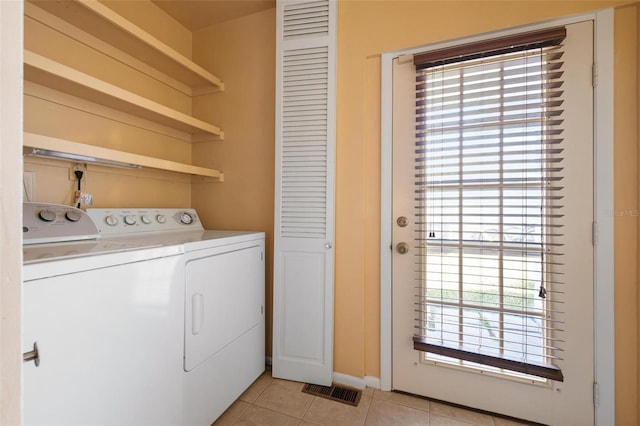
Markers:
(145, 219)
(73, 216)
(111, 220)
(47, 215)
(186, 218)
(161, 218)
(129, 220)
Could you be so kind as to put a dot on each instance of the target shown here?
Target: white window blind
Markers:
(488, 204)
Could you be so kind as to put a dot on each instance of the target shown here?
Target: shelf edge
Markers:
(34, 140)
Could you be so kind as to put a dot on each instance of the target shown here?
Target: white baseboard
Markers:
(345, 379)
(356, 382)
(372, 382)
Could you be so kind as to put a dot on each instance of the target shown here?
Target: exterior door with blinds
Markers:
(493, 266)
(304, 204)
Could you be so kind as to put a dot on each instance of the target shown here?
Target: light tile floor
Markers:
(275, 402)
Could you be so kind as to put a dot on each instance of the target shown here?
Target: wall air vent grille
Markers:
(335, 393)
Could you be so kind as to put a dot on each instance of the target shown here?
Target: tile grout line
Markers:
(308, 408)
(255, 399)
(242, 413)
(276, 411)
(366, 416)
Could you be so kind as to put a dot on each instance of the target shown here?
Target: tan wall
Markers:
(53, 114)
(367, 29)
(625, 223)
(243, 53)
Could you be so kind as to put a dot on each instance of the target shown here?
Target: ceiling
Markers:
(198, 14)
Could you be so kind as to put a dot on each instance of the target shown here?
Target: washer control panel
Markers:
(113, 222)
(51, 223)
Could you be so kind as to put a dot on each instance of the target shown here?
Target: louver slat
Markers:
(304, 134)
(306, 20)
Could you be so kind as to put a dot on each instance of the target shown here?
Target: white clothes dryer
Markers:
(224, 296)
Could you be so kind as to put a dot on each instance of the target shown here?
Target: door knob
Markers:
(403, 248)
(33, 355)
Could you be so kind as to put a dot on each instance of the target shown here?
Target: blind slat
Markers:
(488, 193)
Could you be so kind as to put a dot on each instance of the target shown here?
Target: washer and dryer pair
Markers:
(137, 316)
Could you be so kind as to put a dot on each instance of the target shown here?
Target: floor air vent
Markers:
(334, 393)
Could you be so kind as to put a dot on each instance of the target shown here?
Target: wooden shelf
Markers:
(55, 75)
(33, 140)
(92, 23)
(99, 20)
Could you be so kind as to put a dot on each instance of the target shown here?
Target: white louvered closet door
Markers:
(304, 204)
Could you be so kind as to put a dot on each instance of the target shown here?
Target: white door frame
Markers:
(11, 50)
(603, 200)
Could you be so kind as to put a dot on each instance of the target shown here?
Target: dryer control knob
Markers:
(47, 215)
(161, 218)
(186, 218)
(73, 216)
(111, 220)
(145, 219)
(130, 220)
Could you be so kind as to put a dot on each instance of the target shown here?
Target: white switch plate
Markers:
(29, 186)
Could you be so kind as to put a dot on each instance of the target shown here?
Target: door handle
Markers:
(197, 313)
(33, 355)
(403, 248)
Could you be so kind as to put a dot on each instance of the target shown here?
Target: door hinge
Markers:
(596, 394)
(594, 233)
(594, 74)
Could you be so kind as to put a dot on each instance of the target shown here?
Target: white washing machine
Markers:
(102, 324)
(223, 299)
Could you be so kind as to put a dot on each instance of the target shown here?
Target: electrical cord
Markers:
(79, 174)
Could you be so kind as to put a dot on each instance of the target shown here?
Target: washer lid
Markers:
(65, 250)
(89, 256)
